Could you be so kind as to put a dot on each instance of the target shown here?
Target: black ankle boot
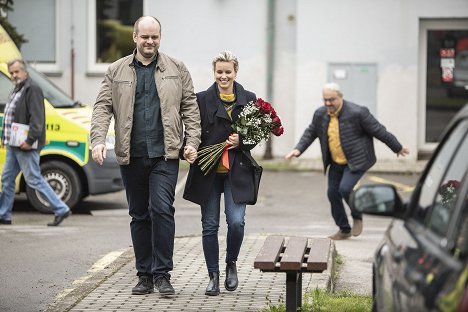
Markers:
(213, 286)
(231, 281)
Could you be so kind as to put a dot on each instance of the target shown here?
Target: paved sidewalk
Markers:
(189, 278)
(110, 289)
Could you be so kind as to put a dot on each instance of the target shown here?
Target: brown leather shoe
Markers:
(357, 227)
(340, 235)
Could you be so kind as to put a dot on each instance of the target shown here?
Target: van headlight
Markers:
(110, 142)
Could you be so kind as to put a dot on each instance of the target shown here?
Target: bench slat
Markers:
(294, 254)
(319, 253)
(269, 254)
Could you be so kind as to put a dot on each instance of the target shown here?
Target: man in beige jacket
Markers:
(151, 97)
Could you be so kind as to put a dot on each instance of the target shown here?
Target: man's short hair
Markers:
(137, 23)
(333, 86)
(22, 63)
(226, 56)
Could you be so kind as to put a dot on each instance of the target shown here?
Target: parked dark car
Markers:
(421, 263)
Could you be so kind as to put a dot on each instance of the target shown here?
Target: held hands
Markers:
(99, 153)
(404, 151)
(233, 140)
(190, 154)
(294, 153)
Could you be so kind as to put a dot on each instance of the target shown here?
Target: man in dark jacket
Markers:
(346, 131)
(25, 107)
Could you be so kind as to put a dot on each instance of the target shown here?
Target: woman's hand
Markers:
(233, 140)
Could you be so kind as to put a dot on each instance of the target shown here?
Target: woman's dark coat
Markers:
(216, 128)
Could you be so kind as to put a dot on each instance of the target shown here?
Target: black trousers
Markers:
(341, 182)
(150, 187)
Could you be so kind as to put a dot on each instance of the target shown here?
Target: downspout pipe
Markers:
(270, 65)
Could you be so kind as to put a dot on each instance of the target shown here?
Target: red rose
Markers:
(273, 113)
(453, 183)
(264, 106)
(278, 130)
(259, 102)
(276, 121)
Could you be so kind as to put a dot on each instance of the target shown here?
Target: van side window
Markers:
(433, 180)
(6, 86)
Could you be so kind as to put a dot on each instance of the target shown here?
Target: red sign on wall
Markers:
(447, 74)
(447, 52)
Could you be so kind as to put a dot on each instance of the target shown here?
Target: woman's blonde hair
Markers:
(226, 56)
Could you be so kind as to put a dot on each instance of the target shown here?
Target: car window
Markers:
(461, 243)
(52, 93)
(448, 190)
(438, 171)
(6, 85)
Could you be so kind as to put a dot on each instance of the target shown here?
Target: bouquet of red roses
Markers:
(256, 121)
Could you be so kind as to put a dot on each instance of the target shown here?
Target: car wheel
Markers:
(64, 181)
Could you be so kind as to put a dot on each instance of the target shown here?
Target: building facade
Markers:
(405, 60)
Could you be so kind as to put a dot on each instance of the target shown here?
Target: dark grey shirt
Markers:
(147, 129)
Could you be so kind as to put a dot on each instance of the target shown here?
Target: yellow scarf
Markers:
(228, 102)
(334, 143)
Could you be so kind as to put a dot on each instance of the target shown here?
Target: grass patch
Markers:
(336, 269)
(319, 300)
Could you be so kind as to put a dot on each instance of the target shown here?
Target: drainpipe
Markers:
(270, 66)
(72, 53)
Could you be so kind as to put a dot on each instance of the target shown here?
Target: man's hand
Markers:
(99, 153)
(25, 146)
(294, 153)
(404, 151)
(190, 154)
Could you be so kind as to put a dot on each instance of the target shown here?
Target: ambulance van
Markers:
(66, 161)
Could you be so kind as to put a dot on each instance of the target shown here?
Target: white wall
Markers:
(366, 31)
(309, 36)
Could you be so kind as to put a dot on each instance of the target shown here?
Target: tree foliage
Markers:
(5, 6)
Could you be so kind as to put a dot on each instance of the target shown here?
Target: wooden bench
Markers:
(294, 256)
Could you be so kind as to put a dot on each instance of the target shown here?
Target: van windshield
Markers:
(52, 93)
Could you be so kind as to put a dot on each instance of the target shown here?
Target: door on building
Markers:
(443, 76)
(358, 82)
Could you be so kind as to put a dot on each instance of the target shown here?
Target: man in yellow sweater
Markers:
(346, 131)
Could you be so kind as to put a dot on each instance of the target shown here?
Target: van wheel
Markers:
(63, 180)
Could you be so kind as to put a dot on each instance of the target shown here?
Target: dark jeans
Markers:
(150, 187)
(341, 182)
(235, 214)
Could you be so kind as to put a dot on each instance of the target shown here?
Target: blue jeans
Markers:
(150, 187)
(235, 214)
(27, 162)
(341, 182)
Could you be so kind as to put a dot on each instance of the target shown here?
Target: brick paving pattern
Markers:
(190, 278)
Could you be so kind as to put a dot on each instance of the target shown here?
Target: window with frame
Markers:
(439, 187)
(114, 28)
(6, 86)
(41, 35)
